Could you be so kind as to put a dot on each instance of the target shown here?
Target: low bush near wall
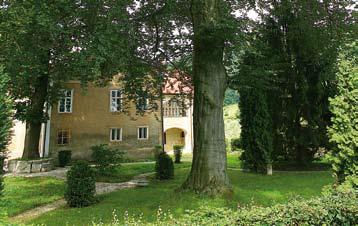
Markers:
(64, 157)
(338, 208)
(80, 190)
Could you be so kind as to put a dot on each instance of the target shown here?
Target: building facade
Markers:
(95, 115)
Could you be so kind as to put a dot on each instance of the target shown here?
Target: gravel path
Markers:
(101, 188)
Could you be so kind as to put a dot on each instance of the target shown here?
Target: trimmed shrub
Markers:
(164, 167)
(80, 190)
(106, 158)
(157, 150)
(178, 151)
(236, 144)
(64, 157)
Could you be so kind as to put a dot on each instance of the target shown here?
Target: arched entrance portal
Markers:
(173, 136)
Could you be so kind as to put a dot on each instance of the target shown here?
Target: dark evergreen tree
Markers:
(6, 113)
(293, 52)
(5, 121)
(256, 131)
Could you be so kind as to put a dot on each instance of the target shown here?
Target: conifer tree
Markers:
(256, 131)
(343, 132)
(5, 121)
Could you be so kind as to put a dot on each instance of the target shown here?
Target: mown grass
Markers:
(249, 189)
(128, 171)
(21, 194)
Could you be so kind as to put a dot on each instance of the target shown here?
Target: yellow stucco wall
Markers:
(91, 120)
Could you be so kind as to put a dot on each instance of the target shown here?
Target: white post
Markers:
(47, 135)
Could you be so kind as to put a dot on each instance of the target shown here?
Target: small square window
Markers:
(142, 133)
(116, 134)
(63, 137)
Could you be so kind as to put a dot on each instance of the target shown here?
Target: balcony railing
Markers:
(172, 112)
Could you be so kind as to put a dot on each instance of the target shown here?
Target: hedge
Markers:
(337, 208)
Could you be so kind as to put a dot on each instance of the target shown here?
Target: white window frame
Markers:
(65, 99)
(138, 129)
(115, 98)
(115, 129)
(62, 138)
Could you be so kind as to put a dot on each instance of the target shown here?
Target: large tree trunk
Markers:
(33, 126)
(208, 171)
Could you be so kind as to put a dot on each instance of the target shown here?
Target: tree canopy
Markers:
(46, 43)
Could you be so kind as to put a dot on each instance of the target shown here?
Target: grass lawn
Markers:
(127, 171)
(249, 188)
(22, 194)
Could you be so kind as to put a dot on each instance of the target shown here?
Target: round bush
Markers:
(164, 167)
(64, 157)
(81, 186)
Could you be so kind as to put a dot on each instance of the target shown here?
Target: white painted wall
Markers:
(184, 123)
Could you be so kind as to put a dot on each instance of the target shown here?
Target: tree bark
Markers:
(208, 172)
(35, 119)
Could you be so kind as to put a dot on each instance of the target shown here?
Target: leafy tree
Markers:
(190, 38)
(45, 43)
(343, 132)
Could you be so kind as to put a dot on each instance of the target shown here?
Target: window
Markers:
(142, 103)
(65, 102)
(116, 100)
(116, 134)
(63, 137)
(142, 133)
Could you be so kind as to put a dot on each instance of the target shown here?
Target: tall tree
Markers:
(343, 132)
(256, 130)
(45, 43)
(191, 38)
(293, 51)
